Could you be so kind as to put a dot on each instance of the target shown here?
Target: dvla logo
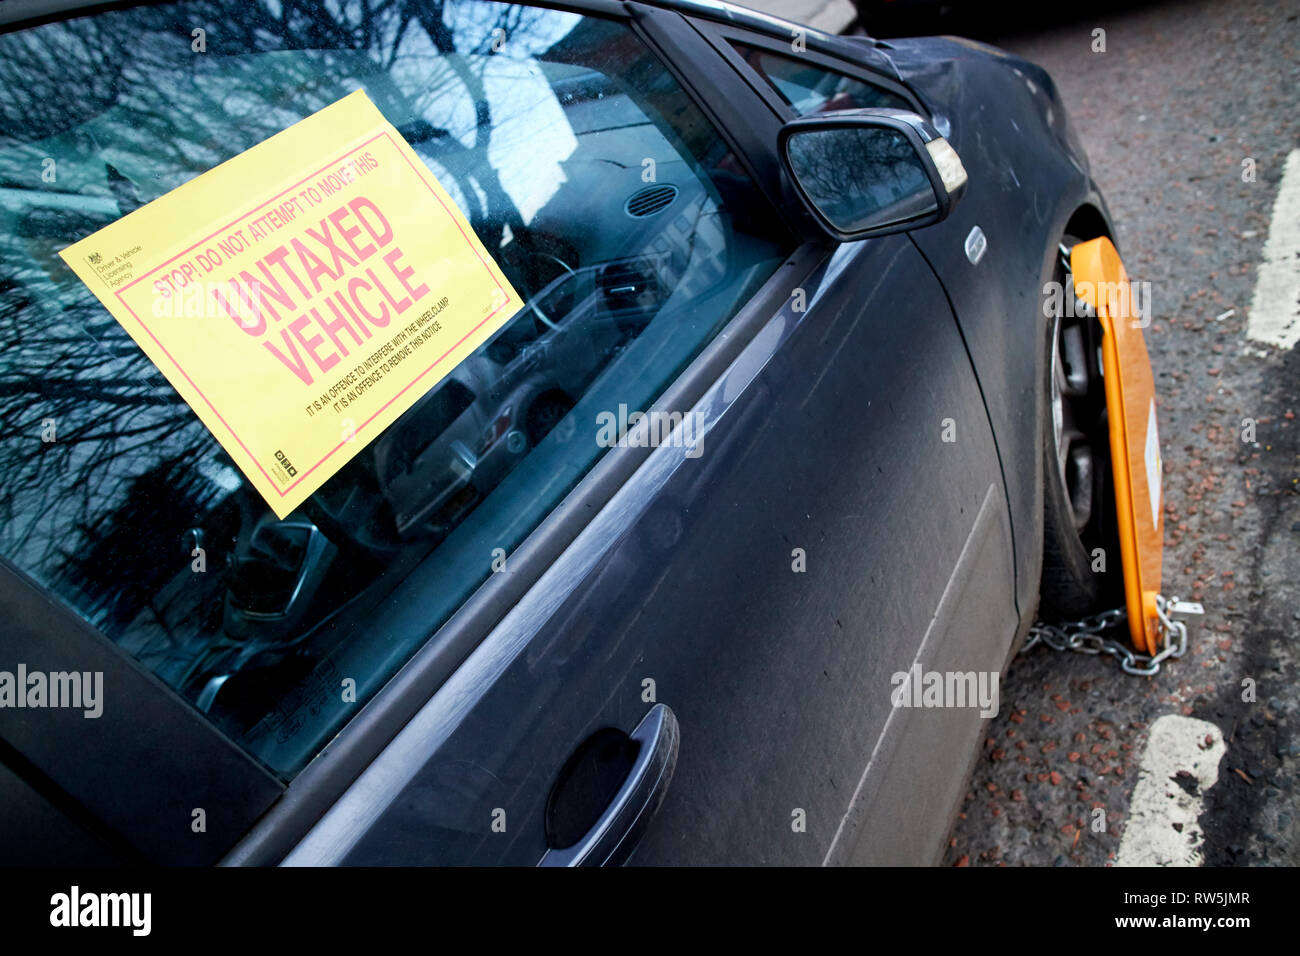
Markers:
(75, 908)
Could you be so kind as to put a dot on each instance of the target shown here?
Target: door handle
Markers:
(614, 836)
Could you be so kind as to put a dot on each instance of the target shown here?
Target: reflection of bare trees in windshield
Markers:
(173, 113)
(81, 408)
(859, 176)
(127, 111)
(39, 69)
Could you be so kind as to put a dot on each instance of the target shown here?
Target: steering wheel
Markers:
(352, 510)
(549, 286)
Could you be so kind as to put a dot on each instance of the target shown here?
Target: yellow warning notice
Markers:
(303, 294)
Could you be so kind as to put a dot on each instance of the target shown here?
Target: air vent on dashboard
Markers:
(630, 286)
(648, 201)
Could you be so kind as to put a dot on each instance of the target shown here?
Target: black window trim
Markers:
(82, 766)
(724, 37)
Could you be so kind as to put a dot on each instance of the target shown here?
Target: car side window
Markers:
(613, 205)
(810, 88)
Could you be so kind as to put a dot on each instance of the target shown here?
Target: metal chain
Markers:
(1085, 637)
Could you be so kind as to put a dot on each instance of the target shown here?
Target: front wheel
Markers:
(1082, 570)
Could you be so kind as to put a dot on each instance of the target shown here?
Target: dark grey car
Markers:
(795, 442)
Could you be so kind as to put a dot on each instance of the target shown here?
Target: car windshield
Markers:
(628, 226)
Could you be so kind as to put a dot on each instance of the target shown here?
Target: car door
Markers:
(722, 634)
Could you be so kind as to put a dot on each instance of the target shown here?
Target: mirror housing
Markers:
(871, 172)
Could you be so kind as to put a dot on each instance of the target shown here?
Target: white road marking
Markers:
(1275, 307)
(1162, 827)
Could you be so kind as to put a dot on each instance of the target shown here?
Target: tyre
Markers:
(1082, 569)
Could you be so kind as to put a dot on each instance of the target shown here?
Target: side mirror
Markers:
(871, 172)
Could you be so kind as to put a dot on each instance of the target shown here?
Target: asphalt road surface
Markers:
(1186, 100)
